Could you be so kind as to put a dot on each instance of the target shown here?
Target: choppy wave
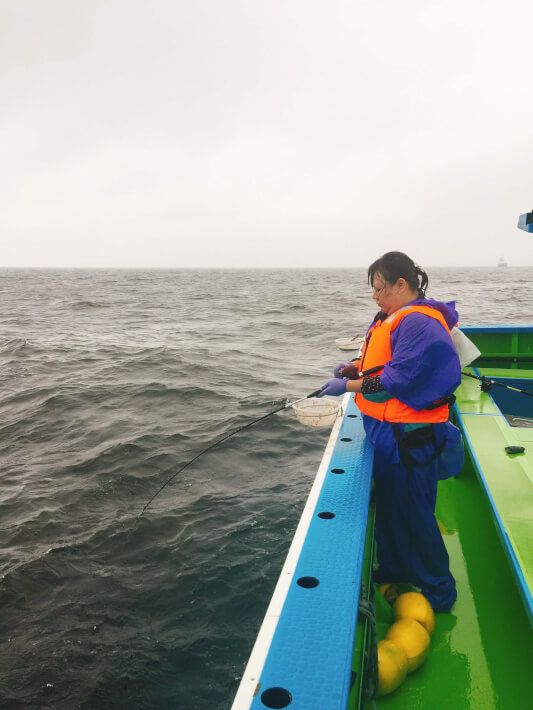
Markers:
(14, 345)
(83, 305)
(110, 383)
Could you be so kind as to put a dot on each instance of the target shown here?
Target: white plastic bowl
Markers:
(317, 412)
(349, 343)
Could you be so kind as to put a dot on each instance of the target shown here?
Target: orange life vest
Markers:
(376, 351)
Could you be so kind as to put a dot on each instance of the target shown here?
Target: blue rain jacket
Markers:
(424, 367)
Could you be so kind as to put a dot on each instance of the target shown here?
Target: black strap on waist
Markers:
(450, 399)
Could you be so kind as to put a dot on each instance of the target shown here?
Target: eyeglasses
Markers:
(377, 291)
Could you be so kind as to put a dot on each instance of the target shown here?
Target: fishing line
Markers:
(219, 441)
(246, 426)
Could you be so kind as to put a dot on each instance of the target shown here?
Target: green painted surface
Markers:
(363, 631)
(502, 372)
(508, 478)
(471, 400)
(480, 655)
(511, 349)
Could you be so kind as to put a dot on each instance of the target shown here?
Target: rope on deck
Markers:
(367, 609)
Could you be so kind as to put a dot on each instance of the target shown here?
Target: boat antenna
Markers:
(487, 384)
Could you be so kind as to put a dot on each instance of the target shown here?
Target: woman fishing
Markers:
(405, 407)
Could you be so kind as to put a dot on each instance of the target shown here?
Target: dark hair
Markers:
(395, 265)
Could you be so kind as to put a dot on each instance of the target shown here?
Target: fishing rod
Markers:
(487, 384)
(255, 421)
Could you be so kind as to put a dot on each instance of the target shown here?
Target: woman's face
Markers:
(383, 294)
(390, 297)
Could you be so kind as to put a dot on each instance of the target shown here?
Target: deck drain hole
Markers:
(352, 416)
(345, 438)
(308, 583)
(276, 698)
(337, 470)
(326, 515)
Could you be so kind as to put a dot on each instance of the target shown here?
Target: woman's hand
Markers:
(339, 367)
(347, 369)
(334, 387)
(351, 371)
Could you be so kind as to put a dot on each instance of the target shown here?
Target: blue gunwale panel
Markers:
(496, 329)
(311, 652)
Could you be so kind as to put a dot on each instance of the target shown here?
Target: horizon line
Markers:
(246, 268)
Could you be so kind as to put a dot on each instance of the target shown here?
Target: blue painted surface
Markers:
(510, 402)
(507, 401)
(496, 329)
(525, 222)
(311, 653)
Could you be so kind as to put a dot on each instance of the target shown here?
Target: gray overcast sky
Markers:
(229, 133)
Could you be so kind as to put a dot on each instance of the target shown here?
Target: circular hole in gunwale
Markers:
(338, 470)
(346, 438)
(308, 582)
(276, 698)
(326, 515)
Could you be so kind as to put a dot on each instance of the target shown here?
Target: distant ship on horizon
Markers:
(502, 262)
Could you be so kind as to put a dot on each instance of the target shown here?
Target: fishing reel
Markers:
(486, 385)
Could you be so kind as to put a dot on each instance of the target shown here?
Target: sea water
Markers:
(110, 382)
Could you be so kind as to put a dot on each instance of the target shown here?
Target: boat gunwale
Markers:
(500, 328)
(476, 367)
(516, 568)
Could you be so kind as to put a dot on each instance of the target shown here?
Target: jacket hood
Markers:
(447, 309)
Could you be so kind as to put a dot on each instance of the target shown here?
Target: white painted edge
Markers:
(250, 679)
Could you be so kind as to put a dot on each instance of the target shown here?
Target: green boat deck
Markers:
(480, 655)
